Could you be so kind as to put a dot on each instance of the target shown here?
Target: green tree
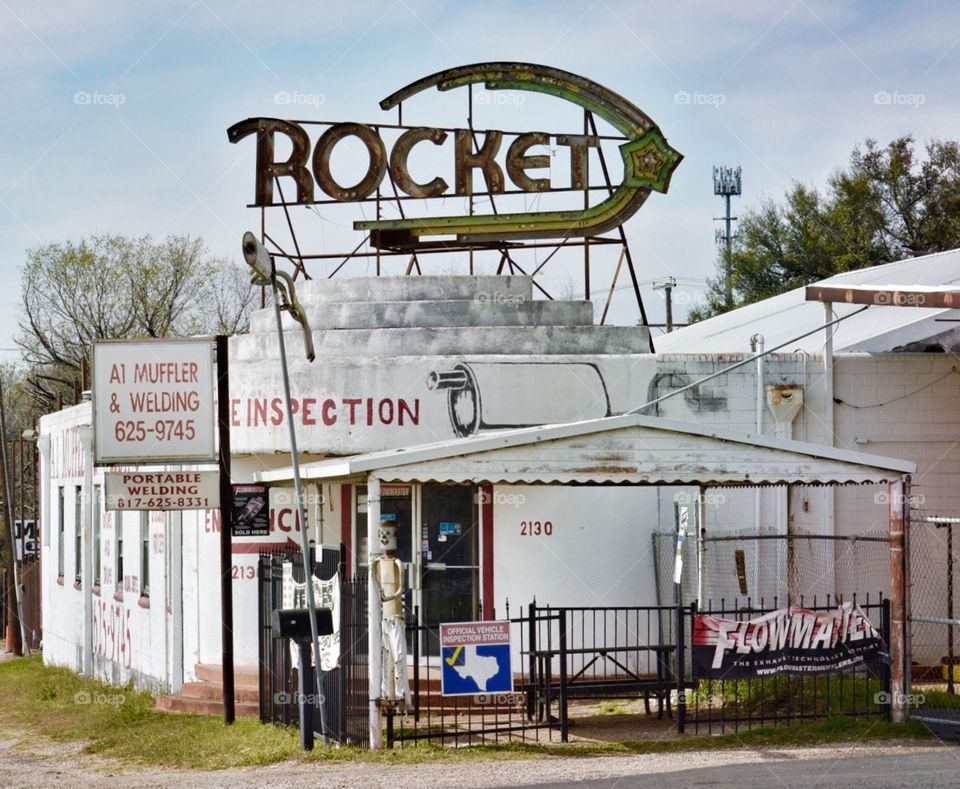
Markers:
(888, 204)
(115, 287)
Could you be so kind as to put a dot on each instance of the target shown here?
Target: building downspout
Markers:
(756, 346)
(828, 381)
(701, 522)
(785, 402)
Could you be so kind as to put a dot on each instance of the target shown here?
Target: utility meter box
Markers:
(295, 623)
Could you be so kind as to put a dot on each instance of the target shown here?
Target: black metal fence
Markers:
(559, 655)
(345, 689)
(719, 706)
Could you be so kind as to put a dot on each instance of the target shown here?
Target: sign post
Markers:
(226, 520)
(153, 404)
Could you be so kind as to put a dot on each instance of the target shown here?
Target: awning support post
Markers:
(897, 521)
(374, 657)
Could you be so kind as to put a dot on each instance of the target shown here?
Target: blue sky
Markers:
(784, 89)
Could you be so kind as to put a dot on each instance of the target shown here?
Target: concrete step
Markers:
(434, 313)
(460, 341)
(413, 288)
(214, 691)
(204, 706)
(243, 676)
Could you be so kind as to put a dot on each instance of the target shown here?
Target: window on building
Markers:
(144, 554)
(60, 535)
(77, 533)
(96, 535)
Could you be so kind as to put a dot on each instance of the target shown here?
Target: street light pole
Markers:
(259, 259)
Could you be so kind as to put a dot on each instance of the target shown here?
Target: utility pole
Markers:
(16, 628)
(667, 287)
(726, 184)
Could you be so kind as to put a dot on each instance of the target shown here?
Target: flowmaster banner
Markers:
(785, 641)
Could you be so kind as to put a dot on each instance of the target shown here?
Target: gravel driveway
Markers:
(63, 765)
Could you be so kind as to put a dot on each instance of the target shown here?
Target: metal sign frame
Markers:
(207, 409)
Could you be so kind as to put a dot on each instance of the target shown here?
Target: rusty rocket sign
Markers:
(648, 161)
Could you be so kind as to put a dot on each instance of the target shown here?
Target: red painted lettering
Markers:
(403, 409)
(329, 412)
(353, 402)
(308, 403)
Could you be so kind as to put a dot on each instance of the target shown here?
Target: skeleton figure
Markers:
(387, 573)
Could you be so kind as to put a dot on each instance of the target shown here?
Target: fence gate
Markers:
(934, 621)
(344, 688)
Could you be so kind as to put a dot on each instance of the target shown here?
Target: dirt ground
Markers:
(37, 764)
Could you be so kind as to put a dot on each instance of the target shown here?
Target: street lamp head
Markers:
(257, 258)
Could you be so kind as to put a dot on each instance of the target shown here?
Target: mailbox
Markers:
(295, 623)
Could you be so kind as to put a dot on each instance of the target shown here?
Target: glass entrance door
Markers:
(449, 558)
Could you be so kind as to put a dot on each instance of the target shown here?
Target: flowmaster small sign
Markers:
(475, 658)
(162, 490)
(153, 402)
(681, 539)
(250, 511)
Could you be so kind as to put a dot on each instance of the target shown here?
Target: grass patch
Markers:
(826, 695)
(121, 723)
(611, 708)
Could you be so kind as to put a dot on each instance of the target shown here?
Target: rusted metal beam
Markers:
(886, 295)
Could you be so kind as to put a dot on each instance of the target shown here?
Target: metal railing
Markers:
(719, 706)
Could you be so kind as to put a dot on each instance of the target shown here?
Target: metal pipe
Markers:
(756, 347)
(701, 536)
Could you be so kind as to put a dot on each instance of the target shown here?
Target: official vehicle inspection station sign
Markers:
(475, 658)
(153, 402)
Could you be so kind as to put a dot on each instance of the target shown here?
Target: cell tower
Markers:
(726, 184)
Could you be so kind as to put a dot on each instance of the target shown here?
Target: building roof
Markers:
(880, 328)
(630, 449)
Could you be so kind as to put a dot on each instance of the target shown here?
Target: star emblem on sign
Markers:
(650, 161)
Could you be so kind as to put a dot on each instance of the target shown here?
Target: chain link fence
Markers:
(753, 565)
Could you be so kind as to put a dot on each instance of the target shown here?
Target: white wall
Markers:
(600, 549)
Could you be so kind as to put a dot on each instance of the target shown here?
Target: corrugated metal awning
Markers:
(632, 450)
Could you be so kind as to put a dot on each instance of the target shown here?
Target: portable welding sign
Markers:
(785, 641)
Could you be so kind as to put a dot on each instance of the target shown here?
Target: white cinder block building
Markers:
(408, 361)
